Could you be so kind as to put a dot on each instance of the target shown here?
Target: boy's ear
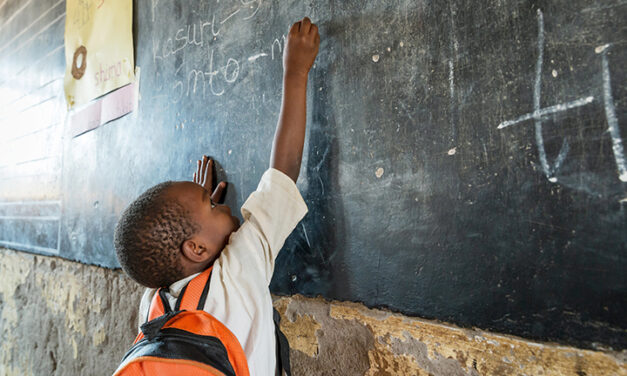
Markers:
(195, 251)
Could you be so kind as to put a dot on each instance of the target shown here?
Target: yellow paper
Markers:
(98, 48)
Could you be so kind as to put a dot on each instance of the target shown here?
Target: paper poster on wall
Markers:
(98, 48)
(103, 110)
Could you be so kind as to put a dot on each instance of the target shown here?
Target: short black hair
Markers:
(149, 235)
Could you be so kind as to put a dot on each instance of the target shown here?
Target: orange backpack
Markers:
(184, 341)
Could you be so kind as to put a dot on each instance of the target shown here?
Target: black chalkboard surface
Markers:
(465, 161)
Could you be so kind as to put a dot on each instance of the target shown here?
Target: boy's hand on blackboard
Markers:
(204, 177)
(301, 48)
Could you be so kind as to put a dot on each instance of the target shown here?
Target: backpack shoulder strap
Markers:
(194, 294)
(158, 306)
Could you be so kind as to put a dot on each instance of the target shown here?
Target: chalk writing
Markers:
(257, 56)
(539, 113)
(278, 43)
(199, 33)
(213, 74)
(454, 51)
(188, 35)
(198, 80)
(612, 121)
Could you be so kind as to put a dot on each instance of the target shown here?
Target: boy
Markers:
(174, 230)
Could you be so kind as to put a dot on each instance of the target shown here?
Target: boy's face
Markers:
(215, 221)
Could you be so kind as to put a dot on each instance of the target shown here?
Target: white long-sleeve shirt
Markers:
(238, 294)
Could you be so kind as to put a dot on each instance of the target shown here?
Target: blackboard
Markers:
(465, 161)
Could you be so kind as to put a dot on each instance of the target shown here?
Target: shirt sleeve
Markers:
(270, 214)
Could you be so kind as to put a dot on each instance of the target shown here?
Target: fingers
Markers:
(217, 194)
(295, 28)
(305, 25)
(204, 173)
(207, 173)
(204, 177)
(201, 173)
(197, 174)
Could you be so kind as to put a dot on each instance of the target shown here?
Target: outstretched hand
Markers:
(204, 177)
(301, 48)
(300, 51)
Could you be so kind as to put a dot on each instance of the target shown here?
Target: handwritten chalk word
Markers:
(198, 33)
(189, 35)
(197, 81)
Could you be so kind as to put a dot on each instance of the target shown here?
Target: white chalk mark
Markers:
(451, 78)
(453, 58)
(255, 57)
(538, 113)
(3, 3)
(548, 170)
(548, 111)
(29, 93)
(256, 9)
(306, 237)
(277, 42)
(601, 48)
(29, 26)
(29, 218)
(36, 34)
(15, 245)
(213, 23)
(48, 202)
(561, 156)
(612, 120)
(154, 4)
(603, 7)
(41, 59)
(454, 51)
(15, 14)
(179, 68)
(485, 152)
(536, 97)
(40, 130)
(232, 14)
(321, 184)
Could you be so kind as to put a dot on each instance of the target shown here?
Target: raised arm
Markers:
(298, 57)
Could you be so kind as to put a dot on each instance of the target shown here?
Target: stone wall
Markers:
(63, 318)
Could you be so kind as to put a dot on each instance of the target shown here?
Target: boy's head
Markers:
(171, 231)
